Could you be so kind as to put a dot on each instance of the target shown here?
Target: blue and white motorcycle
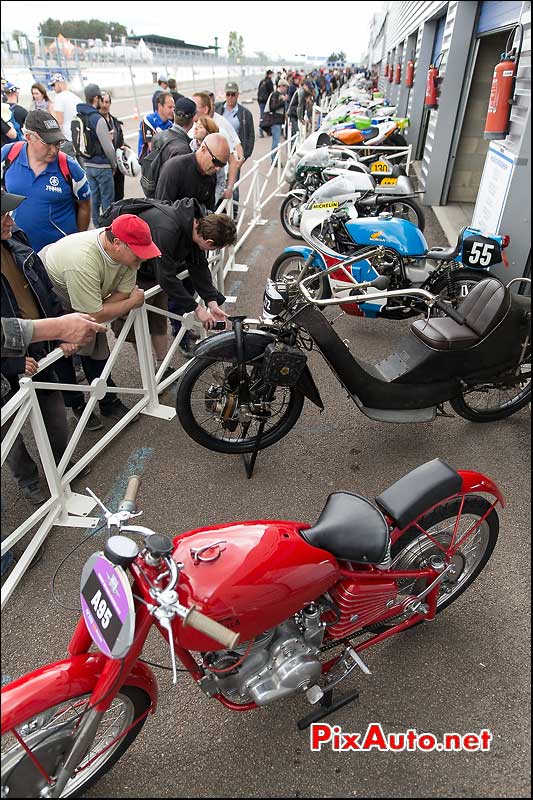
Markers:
(388, 246)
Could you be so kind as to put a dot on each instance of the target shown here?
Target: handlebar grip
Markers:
(450, 311)
(134, 484)
(211, 628)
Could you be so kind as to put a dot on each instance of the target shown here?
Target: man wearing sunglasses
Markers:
(194, 175)
(58, 194)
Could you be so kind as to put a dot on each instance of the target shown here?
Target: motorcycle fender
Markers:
(477, 482)
(305, 252)
(47, 686)
(222, 346)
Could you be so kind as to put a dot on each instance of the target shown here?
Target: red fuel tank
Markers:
(249, 576)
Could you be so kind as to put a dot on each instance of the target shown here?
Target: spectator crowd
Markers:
(76, 254)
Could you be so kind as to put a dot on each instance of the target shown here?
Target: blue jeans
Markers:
(276, 137)
(102, 190)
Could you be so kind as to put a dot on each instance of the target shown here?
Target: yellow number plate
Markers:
(331, 204)
(379, 166)
(389, 181)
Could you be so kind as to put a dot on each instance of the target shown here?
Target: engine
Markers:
(281, 661)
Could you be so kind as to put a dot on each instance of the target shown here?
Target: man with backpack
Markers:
(91, 140)
(264, 90)
(59, 196)
(166, 144)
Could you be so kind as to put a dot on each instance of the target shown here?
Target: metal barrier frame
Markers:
(64, 507)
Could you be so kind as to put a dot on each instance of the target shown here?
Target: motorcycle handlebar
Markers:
(228, 639)
(130, 496)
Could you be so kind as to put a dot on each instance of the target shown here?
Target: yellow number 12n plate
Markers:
(389, 182)
(379, 166)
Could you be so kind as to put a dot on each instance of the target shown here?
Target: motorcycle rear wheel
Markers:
(48, 736)
(413, 549)
(491, 402)
(456, 287)
(292, 264)
(209, 382)
(285, 211)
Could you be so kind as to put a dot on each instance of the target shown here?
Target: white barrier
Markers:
(65, 508)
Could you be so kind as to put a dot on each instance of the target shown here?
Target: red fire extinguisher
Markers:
(386, 73)
(409, 73)
(502, 90)
(398, 73)
(391, 73)
(432, 84)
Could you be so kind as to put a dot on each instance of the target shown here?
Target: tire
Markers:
(292, 264)
(289, 204)
(413, 549)
(210, 382)
(397, 140)
(462, 280)
(407, 209)
(491, 402)
(50, 741)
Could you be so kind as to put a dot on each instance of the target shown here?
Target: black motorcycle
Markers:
(245, 388)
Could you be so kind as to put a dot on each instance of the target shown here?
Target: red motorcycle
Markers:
(254, 611)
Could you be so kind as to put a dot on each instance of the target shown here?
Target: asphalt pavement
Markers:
(466, 671)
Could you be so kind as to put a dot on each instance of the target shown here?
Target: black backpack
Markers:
(85, 145)
(151, 167)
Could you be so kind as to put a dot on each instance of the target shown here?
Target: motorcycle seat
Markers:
(351, 528)
(420, 489)
(483, 308)
(370, 133)
(443, 253)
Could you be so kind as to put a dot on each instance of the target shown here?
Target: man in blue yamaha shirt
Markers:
(160, 120)
(59, 197)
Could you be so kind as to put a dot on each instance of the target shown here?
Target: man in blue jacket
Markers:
(101, 165)
(160, 120)
(27, 293)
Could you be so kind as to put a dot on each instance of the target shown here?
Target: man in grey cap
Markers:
(99, 159)
(162, 86)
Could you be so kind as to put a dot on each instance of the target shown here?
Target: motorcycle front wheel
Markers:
(413, 549)
(291, 264)
(49, 737)
(213, 412)
(287, 212)
(406, 209)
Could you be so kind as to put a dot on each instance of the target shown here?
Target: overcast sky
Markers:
(277, 28)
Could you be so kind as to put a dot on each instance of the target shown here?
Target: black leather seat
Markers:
(483, 308)
(370, 133)
(350, 528)
(443, 253)
(419, 490)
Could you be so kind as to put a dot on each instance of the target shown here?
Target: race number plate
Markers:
(273, 302)
(481, 252)
(107, 606)
(330, 204)
(380, 166)
(389, 182)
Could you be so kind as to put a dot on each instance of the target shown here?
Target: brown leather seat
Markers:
(483, 308)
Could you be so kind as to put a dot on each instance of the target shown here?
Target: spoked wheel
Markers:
(292, 264)
(290, 216)
(413, 549)
(49, 736)
(215, 413)
(407, 209)
(456, 286)
(493, 401)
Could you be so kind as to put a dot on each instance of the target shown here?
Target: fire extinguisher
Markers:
(409, 74)
(432, 85)
(386, 73)
(502, 89)
(391, 73)
(398, 73)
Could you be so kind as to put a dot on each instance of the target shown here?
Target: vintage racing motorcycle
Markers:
(254, 611)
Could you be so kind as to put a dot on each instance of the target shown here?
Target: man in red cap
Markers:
(95, 272)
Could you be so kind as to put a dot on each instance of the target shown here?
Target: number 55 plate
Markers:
(107, 606)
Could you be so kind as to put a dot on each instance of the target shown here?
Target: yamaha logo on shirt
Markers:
(54, 185)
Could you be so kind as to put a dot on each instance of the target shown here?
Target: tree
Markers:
(82, 29)
(235, 45)
(340, 56)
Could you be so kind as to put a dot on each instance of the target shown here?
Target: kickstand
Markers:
(249, 461)
(328, 706)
